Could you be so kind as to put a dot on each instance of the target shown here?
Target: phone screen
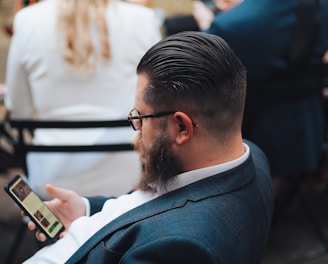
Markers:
(39, 213)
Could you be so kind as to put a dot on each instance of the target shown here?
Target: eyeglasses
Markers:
(135, 117)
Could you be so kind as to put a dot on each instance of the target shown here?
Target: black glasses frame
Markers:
(139, 117)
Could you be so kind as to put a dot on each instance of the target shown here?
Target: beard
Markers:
(160, 163)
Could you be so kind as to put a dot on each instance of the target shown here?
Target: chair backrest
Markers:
(25, 129)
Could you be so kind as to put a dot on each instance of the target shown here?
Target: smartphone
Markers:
(34, 207)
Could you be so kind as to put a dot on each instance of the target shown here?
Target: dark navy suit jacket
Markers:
(279, 105)
(224, 218)
(260, 32)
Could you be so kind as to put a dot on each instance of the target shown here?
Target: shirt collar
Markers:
(189, 177)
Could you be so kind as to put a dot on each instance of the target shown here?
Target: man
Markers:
(205, 196)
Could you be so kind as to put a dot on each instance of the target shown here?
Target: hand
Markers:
(202, 14)
(67, 205)
(325, 58)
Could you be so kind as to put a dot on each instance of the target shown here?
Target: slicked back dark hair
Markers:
(199, 74)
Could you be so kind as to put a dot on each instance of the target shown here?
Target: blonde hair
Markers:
(78, 20)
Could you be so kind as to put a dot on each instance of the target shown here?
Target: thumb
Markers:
(59, 193)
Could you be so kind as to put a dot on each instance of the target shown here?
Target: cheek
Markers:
(141, 147)
(148, 137)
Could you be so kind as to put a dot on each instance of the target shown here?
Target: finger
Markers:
(59, 193)
(40, 236)
(31, 225)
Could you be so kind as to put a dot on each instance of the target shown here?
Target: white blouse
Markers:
(42, 85)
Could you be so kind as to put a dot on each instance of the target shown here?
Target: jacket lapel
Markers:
(212, 186)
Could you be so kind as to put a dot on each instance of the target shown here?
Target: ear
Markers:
(184, 127)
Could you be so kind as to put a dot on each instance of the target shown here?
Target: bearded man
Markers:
(205, 194)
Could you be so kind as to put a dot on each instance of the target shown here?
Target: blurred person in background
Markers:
(210, 8)
(76, 60)
(282, 44)
(205, 11)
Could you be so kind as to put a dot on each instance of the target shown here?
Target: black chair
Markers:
(25, 129)
(7, 156)
(22, 132)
